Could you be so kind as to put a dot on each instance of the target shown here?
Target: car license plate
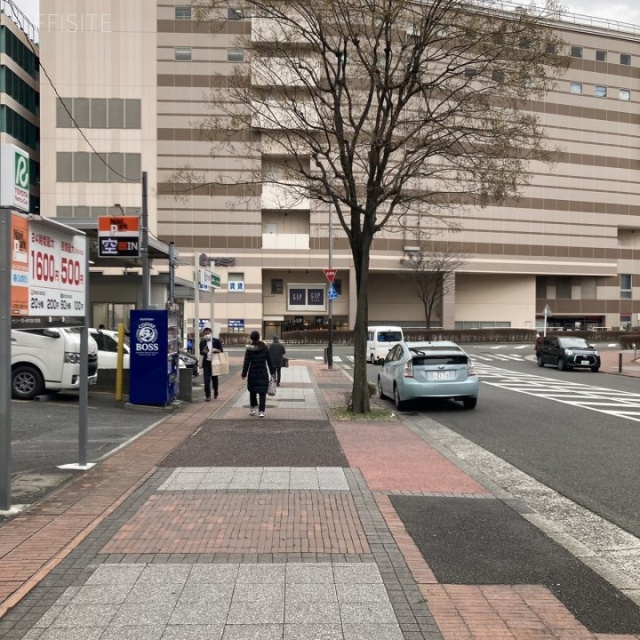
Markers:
(441, 375)
(584, 362)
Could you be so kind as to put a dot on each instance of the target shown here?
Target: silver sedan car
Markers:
(414, 370)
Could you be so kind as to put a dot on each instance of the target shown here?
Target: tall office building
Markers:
(19, 90)
(138, 81)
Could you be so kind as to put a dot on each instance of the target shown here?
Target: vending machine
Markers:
(154, 363)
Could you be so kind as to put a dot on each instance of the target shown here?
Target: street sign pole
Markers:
(5, 359)
(330, 301)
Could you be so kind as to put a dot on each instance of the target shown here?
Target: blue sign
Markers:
(332, 294)
(153, 363)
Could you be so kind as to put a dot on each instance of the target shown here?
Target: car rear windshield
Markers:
(389, 336)
(426, 360)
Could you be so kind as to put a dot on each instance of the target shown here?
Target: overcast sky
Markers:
(620, 10)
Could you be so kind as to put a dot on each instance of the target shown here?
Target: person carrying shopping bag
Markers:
(277, 352)
(208, 346)
(257, 369)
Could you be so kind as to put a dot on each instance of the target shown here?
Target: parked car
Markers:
(414, 370)
(568, 352)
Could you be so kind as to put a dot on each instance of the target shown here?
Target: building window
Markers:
(600, 91)
(576, 87)
(183, 13)
(625, 286)
(601, 56)
(98, 113)
(624, 94)
(563, 288)
(277, 286)
(235, 55)
(234, 14)
(337, 285)
(576, 52)
(183, 54)
(88, 167)
(625, 59)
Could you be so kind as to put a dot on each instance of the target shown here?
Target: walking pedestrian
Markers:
(209, 345)
(277, 351)
(256, 369)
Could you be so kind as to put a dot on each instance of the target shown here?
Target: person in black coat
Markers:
(277, 352)
(209, 345)
(256, 370)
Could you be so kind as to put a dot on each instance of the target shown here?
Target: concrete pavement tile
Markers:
(68, 595)
(357, 573)
(313, 632)
(261, 574)
(213, 573)
(151, 632)
(67, 633)
(314, 573)
(362, 592)
(200, 614)
(271, 612)
(253, 632)
(301, 593)
(367, 613)
(162, 574)
(304, 479)
(312, 613)
(101, 594)
(142, 614)
(193, 632)
(86, 615)
(155, 593)
(373, 632)
(197, 594)
(121, 574)
(50, 616)
(258, 592)
(332, 479)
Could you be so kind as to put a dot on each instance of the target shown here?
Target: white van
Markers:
(380, 340)
(48, 360)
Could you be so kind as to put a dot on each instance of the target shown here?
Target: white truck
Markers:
(48, 360)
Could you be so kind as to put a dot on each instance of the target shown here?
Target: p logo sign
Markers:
(21, 165)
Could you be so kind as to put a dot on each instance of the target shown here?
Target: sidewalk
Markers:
(298, 526)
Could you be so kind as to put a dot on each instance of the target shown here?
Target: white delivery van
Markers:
(48, 360)
(380, 340)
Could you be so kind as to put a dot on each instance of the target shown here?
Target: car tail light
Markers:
(408, 369)
(472, 371)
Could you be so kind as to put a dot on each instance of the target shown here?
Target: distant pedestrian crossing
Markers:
(347, 361)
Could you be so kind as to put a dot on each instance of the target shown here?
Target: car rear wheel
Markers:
(540, 361)
(469, 402)
(380, 391)
(396, 399)
(26, 382)
(561, 364)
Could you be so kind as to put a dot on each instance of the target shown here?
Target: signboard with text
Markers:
(306, 297)
(14, 178)
(119, 236)
(48, 270)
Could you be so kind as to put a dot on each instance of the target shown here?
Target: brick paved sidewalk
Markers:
(142, 547)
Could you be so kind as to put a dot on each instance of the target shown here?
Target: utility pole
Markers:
(330, 301)
(144, 244)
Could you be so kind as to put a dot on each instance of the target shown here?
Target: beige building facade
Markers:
(136, 78)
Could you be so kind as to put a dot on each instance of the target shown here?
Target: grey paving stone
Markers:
(49, 617)
(86, 615)
(253, 632)
(199, 614)
(261, 573)
(356, 573)
(146, 592)
(301, 593)
(214, 573)
(256, 613)
(66, 633)
(311, 613)
(373, 632)
(152, 632)
(101, 594)
(141, 614)
(362, 592)
(367, 613)
(203, 594)
(258, 592)
(313, 632)
(162, 574)
(122, 574)
(193, 632)
(314, 573)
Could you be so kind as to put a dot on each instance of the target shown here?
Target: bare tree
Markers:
(385, 109)
(432, 274)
